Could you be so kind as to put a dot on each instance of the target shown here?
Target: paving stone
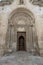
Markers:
(21, 58)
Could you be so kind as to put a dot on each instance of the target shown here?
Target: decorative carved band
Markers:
(37, 2)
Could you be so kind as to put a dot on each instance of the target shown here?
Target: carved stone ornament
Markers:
(37, 2)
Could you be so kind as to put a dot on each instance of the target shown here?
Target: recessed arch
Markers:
(24, 16)
(21, 43)
(21, 10)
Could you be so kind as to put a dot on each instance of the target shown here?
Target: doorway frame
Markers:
(24, 38)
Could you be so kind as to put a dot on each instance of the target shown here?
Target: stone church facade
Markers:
(21, 28)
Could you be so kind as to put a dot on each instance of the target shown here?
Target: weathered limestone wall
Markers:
(39, 27)
(3, 22)
(4, 16)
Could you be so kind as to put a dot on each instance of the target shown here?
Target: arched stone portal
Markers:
(21, 20)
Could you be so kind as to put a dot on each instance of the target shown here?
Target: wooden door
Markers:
(21, 41)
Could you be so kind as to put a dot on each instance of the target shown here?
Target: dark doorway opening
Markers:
(21, 41)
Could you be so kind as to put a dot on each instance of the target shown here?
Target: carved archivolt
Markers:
(21, 16)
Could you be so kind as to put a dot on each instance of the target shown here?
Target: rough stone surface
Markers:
(21, 58)
(7, 11)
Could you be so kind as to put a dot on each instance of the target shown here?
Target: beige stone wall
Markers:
(40, 33)
(4, 16)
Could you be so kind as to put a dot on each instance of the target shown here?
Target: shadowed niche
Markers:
(21, 2)
(21, 43)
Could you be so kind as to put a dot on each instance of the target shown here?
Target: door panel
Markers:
(21, 41)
